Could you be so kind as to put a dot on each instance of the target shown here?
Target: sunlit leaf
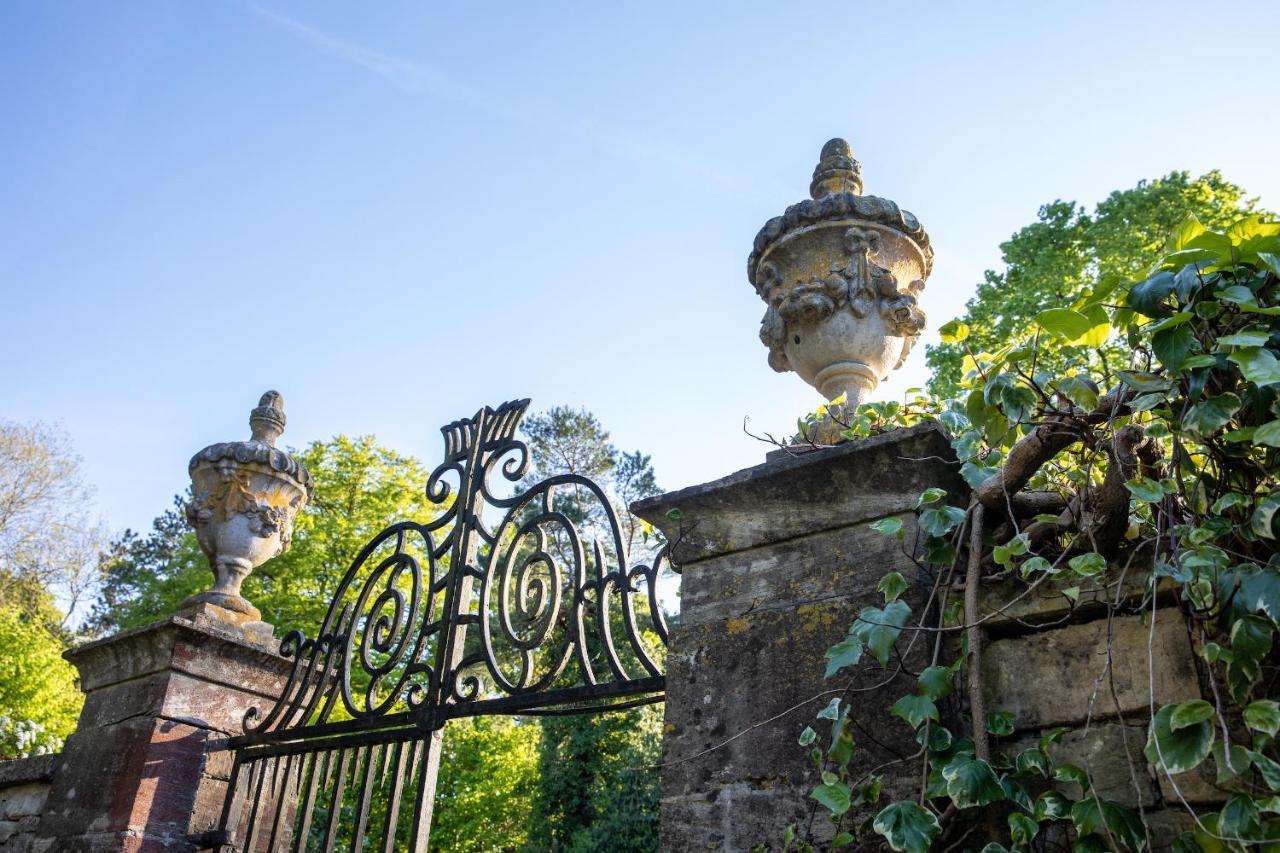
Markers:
(953, 332)
(1257, 364)
(908, 827)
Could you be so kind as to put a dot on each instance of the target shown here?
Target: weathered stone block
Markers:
(1105, 751)
(794, 496)
(1059, 676)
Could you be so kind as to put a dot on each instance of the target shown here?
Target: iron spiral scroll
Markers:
(496, 604)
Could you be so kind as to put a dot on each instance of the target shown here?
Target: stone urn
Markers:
(841, 274)
(245, 496)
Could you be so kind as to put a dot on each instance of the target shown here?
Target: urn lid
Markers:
(836, 194)
(266, 423)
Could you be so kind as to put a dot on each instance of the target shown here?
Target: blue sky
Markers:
(395, 213)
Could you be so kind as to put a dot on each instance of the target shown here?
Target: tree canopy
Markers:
(1056, 260)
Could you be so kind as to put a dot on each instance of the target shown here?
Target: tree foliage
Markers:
(487, 782)
(1058, 259)
(47, 539)
(39, 695)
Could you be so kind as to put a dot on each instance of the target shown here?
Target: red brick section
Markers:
(147, 765)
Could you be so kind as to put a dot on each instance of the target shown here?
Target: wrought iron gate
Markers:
(496, 605)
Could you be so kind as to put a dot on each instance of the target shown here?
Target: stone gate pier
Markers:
(776, 562)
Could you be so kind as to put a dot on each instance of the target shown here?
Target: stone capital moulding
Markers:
(841, 274)
(245, 497)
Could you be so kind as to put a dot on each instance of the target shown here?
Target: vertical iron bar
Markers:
(282, 800)
(251, 834)
(393, 798)
(331, 834)
(230, 819)
(424, 803)
(309, 800)
(373, 753)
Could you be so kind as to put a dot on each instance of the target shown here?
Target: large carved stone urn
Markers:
(841, 274)
(245, 496)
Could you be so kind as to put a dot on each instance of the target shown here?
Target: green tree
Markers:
(1057, 260)
(39, 695)
(596, 789)
(488, 776)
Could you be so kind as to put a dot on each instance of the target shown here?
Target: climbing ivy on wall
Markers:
(1167, 467)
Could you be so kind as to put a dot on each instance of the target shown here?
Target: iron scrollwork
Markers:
(495, 604)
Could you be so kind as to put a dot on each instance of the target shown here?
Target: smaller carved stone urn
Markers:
(841, 274)
(245, 496)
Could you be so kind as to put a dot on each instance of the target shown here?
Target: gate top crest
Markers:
(497, 604)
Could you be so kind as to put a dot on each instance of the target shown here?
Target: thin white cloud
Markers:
(413, 78)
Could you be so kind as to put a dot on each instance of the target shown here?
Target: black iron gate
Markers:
(495, 605)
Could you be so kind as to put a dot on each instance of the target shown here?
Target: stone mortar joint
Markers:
(841, 276)
(245, 497)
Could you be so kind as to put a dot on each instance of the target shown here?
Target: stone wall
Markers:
(1095, 675)
(24, 788)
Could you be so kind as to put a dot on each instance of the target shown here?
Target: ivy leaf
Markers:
(1257, 364)
(1172, 346)
(1268, 434)
(1181, 750)
(941, 520)
(1088, 564)
(953, 332)
(1213, 414)
(1148, 296)
(1022, 828)
(1015, 547)
(1263, 519)
(935, 681)
(1064, 323)
(847, 652)
(1267, 769)
(1236, 293)
(892, 586)
(1145, 489)
(1263, 716)
(1000, 723)
(888, 527)
(971, 782)
(844, 839)
(915, 709)
(908, 827)
(931, 495)
(879, 629)
(1109, 817)
(1051, 806)
(1083, 394)
(1072, 593)
(1071, 773)
(1032, 760)
(1239, 818)
(1246, 338)
(831, 712)
(834, 796)
(1189, 713)
(808, 736)
(1140, 380)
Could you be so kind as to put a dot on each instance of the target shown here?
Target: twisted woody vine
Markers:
(1162, 467)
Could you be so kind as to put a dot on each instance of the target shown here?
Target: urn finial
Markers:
(267, 420)
(840, 275)
(245, 496)
(837, 171)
